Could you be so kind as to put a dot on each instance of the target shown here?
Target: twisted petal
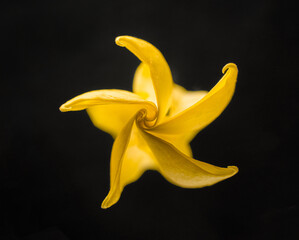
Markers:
(130, 158)
(118, 151)
(182, 170)
(181, 99)
(158, 68)
(110, 110)
(206, 110)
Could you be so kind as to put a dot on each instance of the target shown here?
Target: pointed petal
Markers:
(206, 110)
(128, 163)
(102, 97)
(110, 110)
(159, 69)
(182, 170)
(118, 151)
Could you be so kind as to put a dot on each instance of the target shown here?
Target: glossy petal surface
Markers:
(185, 171)
(143, 84)
(158, 68)
(129, 167)
(110, 110)
(118, 152)
(206, 110)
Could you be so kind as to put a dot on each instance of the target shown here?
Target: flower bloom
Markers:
(153, 125)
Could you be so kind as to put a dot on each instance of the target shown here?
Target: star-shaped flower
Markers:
(154, 125)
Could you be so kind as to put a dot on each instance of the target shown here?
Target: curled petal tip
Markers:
(235, 169)
(106, 203)
(63, 108)
(104, 206)
(66, 107)
(228, 66)
(119, 40)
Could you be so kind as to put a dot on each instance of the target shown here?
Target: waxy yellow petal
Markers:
(181, 142)
(182, 170)
(110, 110)
(143, 84)
(159, 69)
(183, 99)
(103, 97)
(206, 110)
(113, 117)
(130, 158)
(137, 159)
(118, 151)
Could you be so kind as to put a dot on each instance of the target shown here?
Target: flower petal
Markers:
(128, 162)
(102, 97)
(112, 118)
(110, 110)
(182, 170)
(143, 84)
(118, 151)
(206, 110)
(183, 99)
(181, 142)
(159, 69)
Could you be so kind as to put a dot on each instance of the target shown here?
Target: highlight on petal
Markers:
(109, 110)
(130, 158)
(206, 110)
(143, 84)
(182, 170)
(158, 67)
(103, 97)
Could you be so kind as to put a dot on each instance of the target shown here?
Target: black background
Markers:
(54, 170)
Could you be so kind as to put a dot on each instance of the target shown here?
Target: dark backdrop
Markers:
(54, 169)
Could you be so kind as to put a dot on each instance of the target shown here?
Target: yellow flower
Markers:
(154, 125)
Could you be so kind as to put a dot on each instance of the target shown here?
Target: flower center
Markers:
(147, 117)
